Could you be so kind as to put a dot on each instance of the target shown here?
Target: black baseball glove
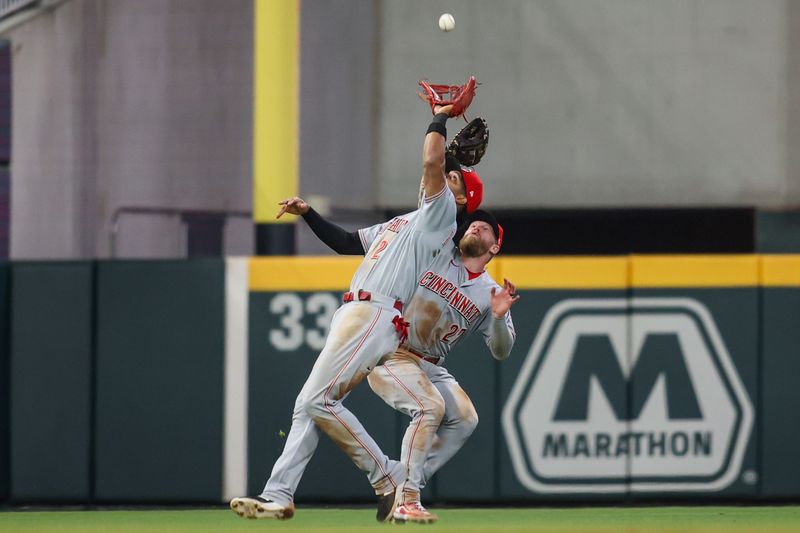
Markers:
(470, 143)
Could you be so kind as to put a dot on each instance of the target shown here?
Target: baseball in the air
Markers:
(447, 22)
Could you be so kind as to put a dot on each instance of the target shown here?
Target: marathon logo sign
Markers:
(627, 394)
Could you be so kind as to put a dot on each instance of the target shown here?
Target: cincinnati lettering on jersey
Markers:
(455, 298)
(396, 224)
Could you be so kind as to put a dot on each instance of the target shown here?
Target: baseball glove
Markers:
(469, 145)
(460, 96)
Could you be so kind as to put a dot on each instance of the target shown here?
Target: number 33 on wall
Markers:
(290, 309)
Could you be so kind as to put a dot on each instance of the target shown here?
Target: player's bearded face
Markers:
(471, 245)
(477, 240)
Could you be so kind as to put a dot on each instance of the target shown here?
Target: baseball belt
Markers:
(366, 296)
(429, 359)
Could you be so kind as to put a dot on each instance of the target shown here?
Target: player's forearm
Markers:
(433, 151)
(501, 337)
(337, 239)
(433, 148)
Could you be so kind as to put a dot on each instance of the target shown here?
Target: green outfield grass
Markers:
(579, 520)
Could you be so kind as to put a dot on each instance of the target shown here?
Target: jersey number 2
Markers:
(381, 247)
(448, 338)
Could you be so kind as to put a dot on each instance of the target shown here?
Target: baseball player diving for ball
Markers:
(366, 328)
(454, 297)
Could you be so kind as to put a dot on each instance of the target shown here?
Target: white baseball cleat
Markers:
(259, 507)
(413, 512)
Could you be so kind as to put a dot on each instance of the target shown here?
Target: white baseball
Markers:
(447, 22)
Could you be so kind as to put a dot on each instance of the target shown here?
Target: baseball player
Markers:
(367, 327)
(454, 297)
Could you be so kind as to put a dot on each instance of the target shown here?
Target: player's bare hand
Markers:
(443, 109)
(293, 206)
(436, 108)
(510, 287)
(503, 299)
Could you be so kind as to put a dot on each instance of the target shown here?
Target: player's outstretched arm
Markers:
(433, 150)
(338, 239)
(501, 334)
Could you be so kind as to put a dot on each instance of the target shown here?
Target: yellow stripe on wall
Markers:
(302, 273)
(682, 271)
(780, 270)
(565, 272)
(694, 271)
(275, 106)
(313, 273)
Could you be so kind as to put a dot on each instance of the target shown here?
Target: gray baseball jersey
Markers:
(447, 306)
(398, 250)
(361, 334)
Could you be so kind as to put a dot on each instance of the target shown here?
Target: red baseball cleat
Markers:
(414, 512)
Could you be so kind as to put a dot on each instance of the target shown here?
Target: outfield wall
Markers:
(173, 381)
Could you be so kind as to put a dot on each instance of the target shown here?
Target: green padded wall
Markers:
(5, 381)
(51, 345)
(530, 315)
(780, 429)
(734, 312)
(160, 353)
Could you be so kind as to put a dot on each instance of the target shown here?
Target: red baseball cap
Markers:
(474, 188)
